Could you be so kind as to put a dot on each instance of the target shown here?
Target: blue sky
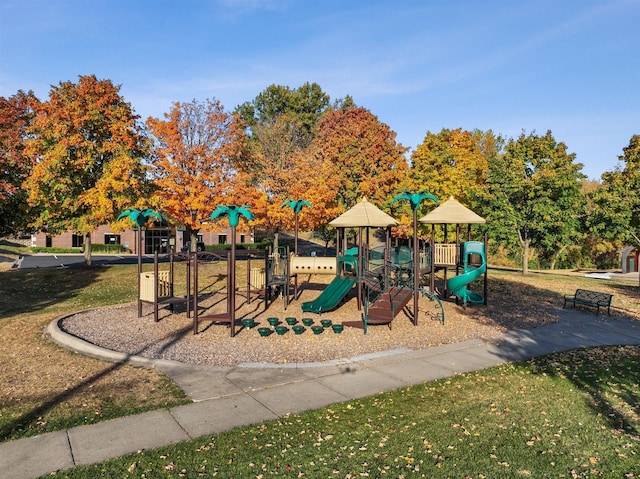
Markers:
(569, 66)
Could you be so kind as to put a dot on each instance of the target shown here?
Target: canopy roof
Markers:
(363, 214)
(451, 212)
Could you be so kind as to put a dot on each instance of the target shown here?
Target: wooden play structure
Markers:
(157, 287)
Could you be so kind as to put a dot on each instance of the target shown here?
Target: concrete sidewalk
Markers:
(225, 398)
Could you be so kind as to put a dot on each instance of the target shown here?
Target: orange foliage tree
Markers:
(363, 155)
(192, 162)
(16, 114)
(86, 148)
(283, 168)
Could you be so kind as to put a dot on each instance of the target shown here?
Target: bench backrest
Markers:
(586, 295)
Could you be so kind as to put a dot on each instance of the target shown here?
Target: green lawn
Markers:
(567, 415)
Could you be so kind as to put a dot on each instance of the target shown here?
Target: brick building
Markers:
(159, 237)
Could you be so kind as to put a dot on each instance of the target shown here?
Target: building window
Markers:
(77, 241)
(156, 239)
(111, 239)
(242, 239)
(222, 239)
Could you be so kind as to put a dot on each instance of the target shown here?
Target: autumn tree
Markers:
(86, 148)
(363, 155)
(614, 206)
(192, 162)
(278, 155)
(452, 163)
(533, 195)
(16, 115)
(282, 169)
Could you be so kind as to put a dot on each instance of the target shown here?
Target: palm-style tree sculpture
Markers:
(296, 206)
(414, 201)
(233, 212)
(140, 218)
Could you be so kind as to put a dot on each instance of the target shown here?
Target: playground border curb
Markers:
(71, 342)
(58, 335)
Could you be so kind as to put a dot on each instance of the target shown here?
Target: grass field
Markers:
(567, 415)
(45, 387)
(590, 399)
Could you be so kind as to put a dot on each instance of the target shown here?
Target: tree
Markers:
(453, 163)
(192, 162)
(296, 206)
(304, 105)
(362, 154)
(614, 207)
(16, 115)
(139, 218)
(87, 150)
(414, 202)
(533, 194)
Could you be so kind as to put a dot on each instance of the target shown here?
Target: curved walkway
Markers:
(257, 392)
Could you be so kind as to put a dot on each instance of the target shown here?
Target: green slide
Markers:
(336, 290)
(458, 284)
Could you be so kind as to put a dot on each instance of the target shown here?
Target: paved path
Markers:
(227, 397)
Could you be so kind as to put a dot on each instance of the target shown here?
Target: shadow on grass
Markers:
(24, 291)
(580, 334)
(29, 419)
(608, 375)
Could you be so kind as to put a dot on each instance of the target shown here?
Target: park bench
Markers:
(590, 298)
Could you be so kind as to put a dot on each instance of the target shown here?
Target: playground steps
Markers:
(388, 305)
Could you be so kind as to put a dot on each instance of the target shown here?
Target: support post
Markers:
(416, 267)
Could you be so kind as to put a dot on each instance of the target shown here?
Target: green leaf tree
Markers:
(139, 218)
(296, 206)
(614, 213)
(533, 197)
(414, 202)
(87, 150)
(304, 105)
(233, 213)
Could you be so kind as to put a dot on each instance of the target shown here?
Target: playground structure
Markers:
(458, 284)
(157, 287)
(447, 256)
(346, 277)
(384, 278)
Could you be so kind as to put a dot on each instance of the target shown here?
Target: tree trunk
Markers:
(555, 257)
(525, 256)
(194, 241)
(87, 249)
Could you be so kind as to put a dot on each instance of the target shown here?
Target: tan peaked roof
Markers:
(363, 214)
(451, 212)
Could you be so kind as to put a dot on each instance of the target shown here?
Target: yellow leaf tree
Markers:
(86, 148)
